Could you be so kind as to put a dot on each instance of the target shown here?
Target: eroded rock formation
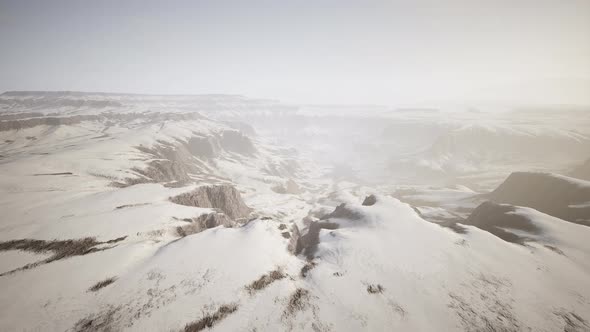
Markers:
(223, 197)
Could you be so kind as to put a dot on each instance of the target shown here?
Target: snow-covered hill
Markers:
(172, 213)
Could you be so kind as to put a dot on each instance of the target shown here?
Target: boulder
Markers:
(370, 200)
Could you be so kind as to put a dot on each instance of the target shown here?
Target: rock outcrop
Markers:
(342, 212)
(173, 162)
(227, 140)
(553, 194)
(223, 197)
(171, 166)
(370, 200)
(307, 244)
(235, 141)
(496, 218)
(204, 222)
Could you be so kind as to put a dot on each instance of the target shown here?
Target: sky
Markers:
(343, 52)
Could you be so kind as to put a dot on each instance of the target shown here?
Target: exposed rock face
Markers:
(175, 161)
(223, 197)
(243, 127)
(556, 195)
(370, 200)
(203, 147)
(308, 243)
(171, 167)
(295, 236)
(494, 218)
(166, 171)
(214, 219)
(235, 141)
(342, 212)
(227, 140)
(204, 222)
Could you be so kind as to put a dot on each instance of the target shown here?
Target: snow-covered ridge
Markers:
(179, 212)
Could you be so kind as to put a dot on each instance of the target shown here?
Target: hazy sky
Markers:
(386, 52)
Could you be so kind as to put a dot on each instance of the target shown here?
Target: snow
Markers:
(10, 260)
(431, 278)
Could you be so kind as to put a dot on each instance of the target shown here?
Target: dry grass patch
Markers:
(103, 321)
(130, 205)
(298, 301)
(573, 322)
(61, 249)
(102, 284)
(209, 320)
(265, 280)
(375, 289)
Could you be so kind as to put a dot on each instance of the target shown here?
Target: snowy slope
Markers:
(94, 236)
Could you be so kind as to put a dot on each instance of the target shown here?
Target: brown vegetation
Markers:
(104, 321)
(375, 289)
(102, 284)
(209, 320)
(265, 280)
(130, 205)
(61, 249)
(297, 302)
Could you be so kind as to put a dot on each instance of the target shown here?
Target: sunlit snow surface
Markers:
(390, 267)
